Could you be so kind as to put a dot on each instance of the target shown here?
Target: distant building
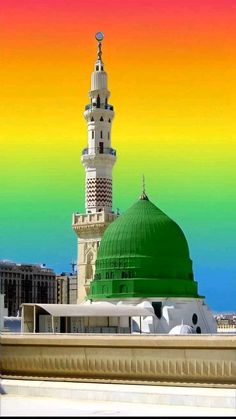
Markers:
(226, 323)
(26, 283)
(66, 288)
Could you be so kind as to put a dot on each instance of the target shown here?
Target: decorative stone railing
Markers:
(177, 360)
(106, 150)
(93, 218)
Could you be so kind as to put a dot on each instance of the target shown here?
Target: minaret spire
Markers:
(100, 51)
(99, 66)
(99, 37)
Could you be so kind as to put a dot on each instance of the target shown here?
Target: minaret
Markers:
(98, 160)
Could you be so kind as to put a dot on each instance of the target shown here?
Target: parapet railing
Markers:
(205, 360)
(106, 150)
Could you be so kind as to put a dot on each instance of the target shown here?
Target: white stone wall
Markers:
(89, 229)
(175, 311)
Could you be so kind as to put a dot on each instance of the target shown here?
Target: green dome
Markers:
(143, 253)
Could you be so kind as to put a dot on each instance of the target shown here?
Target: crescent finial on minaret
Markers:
(99, 37)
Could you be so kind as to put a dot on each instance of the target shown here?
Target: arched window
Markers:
(92, 119)
(110, 275)
(101, 119)
(126, 274)
(123, 289)
(100, 134)
(98, 101)
(194, 318)
(101, 148)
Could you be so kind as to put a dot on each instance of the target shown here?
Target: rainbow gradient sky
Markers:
(171, 67)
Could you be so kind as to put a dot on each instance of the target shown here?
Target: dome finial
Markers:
(143, 196)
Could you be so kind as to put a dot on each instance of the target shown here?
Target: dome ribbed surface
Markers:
(144, 230)
(143, 253)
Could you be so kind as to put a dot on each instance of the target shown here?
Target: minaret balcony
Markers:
(97, 222)
(94, 106)
(97, 150)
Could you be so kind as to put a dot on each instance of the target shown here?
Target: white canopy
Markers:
(93, 310)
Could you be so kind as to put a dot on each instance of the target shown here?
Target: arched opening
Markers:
(101, 148)
(89, 268)
(123, 289)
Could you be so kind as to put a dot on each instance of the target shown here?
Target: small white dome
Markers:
(181, 329)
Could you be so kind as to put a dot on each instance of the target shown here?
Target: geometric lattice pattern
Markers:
(99, 192)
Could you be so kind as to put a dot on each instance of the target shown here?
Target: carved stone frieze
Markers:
(124, 358)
